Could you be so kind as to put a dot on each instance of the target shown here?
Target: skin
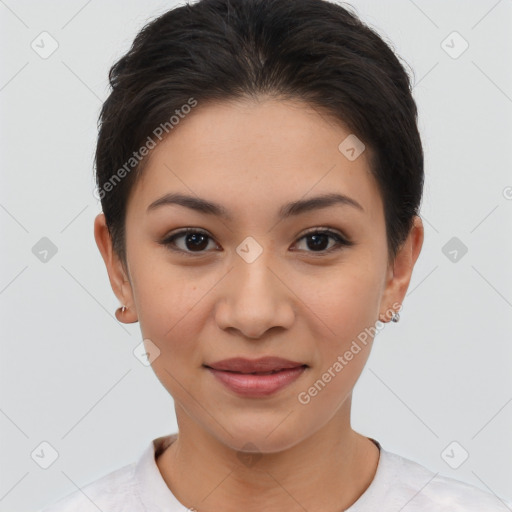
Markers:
(295, 301)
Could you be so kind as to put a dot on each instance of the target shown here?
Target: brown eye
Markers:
(318, 241)
(192, 241)
(188, 241)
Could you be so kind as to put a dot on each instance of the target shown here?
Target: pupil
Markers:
(318, 238)
(196, 237)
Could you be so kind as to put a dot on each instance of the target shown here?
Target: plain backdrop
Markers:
(437, 383)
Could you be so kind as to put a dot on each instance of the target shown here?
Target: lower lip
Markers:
(249, 385)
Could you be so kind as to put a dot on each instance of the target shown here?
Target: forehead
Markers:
(257, 154)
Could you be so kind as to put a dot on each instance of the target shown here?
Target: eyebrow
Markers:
(290, 209)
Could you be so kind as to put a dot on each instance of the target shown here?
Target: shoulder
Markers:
(423, 490)
(114, 492)
(136, 487)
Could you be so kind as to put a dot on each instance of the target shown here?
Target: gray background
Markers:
(68, 375)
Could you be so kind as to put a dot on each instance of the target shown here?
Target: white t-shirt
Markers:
(398, 484)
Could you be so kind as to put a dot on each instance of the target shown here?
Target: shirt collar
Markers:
(151, 487)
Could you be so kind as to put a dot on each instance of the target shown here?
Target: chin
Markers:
(262, 436)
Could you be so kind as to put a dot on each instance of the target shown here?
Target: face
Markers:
(271, 273)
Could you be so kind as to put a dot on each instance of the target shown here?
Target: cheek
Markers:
(345, 299)
(345, 314)
(348, 310)
(168, 303)
(355, 304)
(168, 311)
(170, 317)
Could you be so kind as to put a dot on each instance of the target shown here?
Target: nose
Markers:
(254, 298)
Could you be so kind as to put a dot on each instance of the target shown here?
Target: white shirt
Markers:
(399, 484)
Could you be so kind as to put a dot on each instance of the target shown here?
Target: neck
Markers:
(328, 471)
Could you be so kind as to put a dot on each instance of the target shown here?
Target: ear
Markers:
(117, 274)
(399, 274)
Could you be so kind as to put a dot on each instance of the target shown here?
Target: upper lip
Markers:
(264, 364)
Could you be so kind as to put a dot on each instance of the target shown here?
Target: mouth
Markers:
(262, 366)
(256, 378)
(258, 373)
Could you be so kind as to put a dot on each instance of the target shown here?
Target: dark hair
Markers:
(217, 50)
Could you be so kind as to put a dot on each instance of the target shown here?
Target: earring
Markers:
(395, 317)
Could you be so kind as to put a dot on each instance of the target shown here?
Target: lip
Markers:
(263, 364)
(236, 374)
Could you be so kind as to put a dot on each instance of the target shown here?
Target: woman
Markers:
(260, 172)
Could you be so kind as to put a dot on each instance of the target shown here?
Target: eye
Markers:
(318, 239)
(191, 240)
(194, 241)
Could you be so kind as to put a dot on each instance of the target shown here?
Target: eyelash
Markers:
(169, 242)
